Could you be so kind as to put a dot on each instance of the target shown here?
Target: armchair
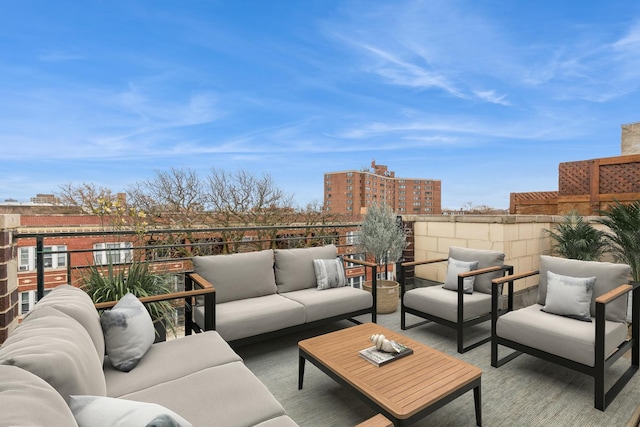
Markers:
(449, 304)
(589, 345)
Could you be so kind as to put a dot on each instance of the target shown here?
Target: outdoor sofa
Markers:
(59, 351)
(273, 292)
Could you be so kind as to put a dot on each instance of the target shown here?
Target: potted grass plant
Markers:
(576, 238)
(381, 238)
(111, 282)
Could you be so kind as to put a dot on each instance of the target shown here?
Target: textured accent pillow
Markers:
(91, 411)
(454, 268)
(128, 332)
(569, 296)
(329, 273)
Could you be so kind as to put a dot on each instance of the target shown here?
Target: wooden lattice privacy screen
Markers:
(586, 186)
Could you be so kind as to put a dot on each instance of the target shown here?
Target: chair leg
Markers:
(403, 321)
(600, 394)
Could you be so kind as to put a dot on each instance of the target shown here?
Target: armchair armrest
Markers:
(613, 294)
(480, 271)
(360, 262)
(192, 278)
(426, 261)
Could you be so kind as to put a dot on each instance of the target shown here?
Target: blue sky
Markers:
(487, 96)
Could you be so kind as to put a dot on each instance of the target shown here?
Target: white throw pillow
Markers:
(128, 332)
(96, 411)
(569, 296)
(454, 268)
(329, 273)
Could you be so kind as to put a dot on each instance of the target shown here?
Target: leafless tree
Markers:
(86, 196)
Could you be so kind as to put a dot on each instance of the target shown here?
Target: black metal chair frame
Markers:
(460, 324)
(602, 397)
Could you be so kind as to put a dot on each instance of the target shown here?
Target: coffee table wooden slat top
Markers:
(404, 386)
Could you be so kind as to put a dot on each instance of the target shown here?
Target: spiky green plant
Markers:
(623, 240)
(110, 283)
(380, 235)
(575, 238)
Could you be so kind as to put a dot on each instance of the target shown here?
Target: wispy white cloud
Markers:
(58, 56)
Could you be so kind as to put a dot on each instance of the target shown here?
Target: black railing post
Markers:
(40, 267)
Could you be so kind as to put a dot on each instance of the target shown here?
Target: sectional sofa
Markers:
(271, 292)
(59, 351)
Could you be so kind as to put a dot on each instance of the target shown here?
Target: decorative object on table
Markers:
(381, 237)
(384, 350)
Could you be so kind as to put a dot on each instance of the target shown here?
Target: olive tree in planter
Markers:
(382, 238)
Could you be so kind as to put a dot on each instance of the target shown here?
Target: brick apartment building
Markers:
(352, 191)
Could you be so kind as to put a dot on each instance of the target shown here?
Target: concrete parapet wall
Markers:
(521, 237)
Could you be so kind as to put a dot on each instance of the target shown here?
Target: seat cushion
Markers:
(562, 336)
(294, 267)
(443, 303)
(228, 395)
(608, 276)
(238, 276)
(185, 355)
(485, 258)
(331, 302)
(28, 400)
(254, 316)
(58, 349)
(76, 303)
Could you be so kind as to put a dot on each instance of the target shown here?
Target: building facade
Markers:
(352, 191)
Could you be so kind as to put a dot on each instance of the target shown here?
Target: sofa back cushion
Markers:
(294, 267)
(28, 400)
(238, 276)
(58, 349)
(75, 303)
(485, 258)
(608, 276)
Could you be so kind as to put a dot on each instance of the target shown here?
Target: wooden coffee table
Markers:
(404, 390)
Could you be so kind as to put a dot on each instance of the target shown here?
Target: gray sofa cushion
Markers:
(58, 349)
(28, 400)
(76, 303)
(330, 302)
(294, 267)
(231, 392)
(254, 316)
(562, 336)
(608, 276)
(485, 258)
(443, 303)
(185, 356)
(238, 276)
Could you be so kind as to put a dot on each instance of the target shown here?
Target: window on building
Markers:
(53, 257)
(112, 253)
(28, 300)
